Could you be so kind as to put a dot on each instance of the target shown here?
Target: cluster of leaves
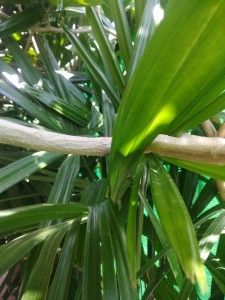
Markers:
(126, 226)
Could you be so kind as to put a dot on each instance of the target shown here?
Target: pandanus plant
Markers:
(112, 151)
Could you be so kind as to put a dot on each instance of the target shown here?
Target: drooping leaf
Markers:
(13, 251)
(172, 258)
(30, 106)
(37, 286)
(176, 222)
(32, 75)
(16, 218)
(60, 285)
(74, 113)
(11, 174)
(213, 171)
(23, 20)
(93, 68)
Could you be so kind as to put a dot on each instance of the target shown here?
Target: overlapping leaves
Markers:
(166, 83)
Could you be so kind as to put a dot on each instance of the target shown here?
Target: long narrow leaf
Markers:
(110, 290)
(117, 233)
(93, 67)
(176, 222)
(122, 29)
(105, 48)
(217, 269)
(132, 224)
(34, 109)
(62, 189)
(11, 174)
(211, 235)
(213, 171)
(37, 286)
(60, 284)
(31, 73)
(16, 218)
(173, 261)
(91, 276)
(145, 32)
(13, 251)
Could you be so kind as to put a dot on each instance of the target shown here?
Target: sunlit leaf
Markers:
(166, 81)
(176, 222)
(11, 174)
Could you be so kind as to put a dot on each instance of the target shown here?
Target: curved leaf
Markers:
(22, 20)
(13, 251)
(12, 219)
(176, 222)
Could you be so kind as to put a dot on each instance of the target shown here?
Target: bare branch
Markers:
(201, 149)
(209, 128)
(4, 15)
(221, 131)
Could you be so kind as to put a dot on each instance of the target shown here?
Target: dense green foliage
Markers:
(129, 225)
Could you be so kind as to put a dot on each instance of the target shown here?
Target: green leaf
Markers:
(63, 88)
(37, 286)
(214, 171)
(22, 168)
(176, 222)
(152, 261)
(139, 9)
(145, 32)
(74, 113)
(110, 290)
(62, 189)
(92, 67)
(16, 218)
(132, 224)
(13, 251)
(60, 284)
(173, 261)
(186, 290)
(108, 115)
(106, 48)
(211, 235)
(166, 81)
(32, 75)
(118, 239)
(216, 268)
(23, 20)
(122, 29)
(91, 275)
(35, 109)
(204, 198)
